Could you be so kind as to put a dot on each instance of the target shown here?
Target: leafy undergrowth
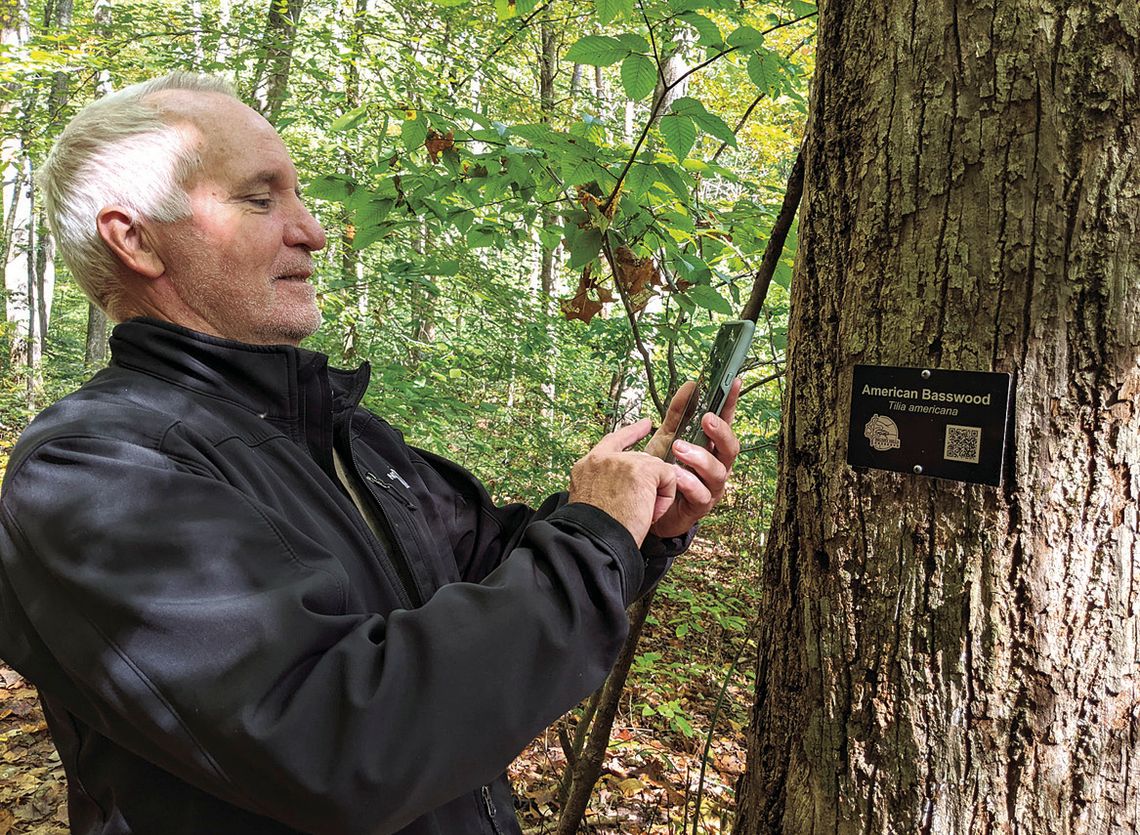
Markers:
(650, 779)
(699, 623)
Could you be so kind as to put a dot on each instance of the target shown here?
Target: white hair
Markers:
(118, 151)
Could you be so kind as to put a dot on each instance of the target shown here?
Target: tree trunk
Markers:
(272, 86)
(19, 267)
(941, 657)
(673, 67)
(351, 266)
(549, 262)
(95, 352)
(95, 347)
(16, 204)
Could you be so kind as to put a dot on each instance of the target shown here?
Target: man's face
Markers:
(240, 263)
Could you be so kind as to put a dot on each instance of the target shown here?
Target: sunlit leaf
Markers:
(597, 51)
(746, 38)
(709, 299)
(638, 76)
(679, 133)
(607, 10)
(708, 33)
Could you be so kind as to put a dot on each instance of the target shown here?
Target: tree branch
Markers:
(776, 241)
(770, 378)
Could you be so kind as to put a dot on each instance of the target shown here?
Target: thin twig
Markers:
(630, 313)
(518, 31)
(770, 378)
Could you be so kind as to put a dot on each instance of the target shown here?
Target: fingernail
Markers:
(682, 446)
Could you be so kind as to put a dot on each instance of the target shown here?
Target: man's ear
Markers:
(129, 241)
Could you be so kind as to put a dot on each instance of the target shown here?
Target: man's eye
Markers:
(260, 202)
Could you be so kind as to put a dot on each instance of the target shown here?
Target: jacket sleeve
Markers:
(188, 627)
(482, 534)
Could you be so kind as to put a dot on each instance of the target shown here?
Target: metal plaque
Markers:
(929, 421)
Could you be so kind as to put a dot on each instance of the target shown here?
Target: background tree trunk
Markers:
(16, 203)
(940, 657)
(272, 85)
(95, 346)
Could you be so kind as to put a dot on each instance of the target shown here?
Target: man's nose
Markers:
(305, 230)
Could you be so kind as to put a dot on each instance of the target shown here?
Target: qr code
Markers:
(963, 443)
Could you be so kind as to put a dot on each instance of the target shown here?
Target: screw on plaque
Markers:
(918, 469)
(926, 373)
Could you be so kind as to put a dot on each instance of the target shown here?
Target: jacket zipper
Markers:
(489, 803)
(399, 557)
(404, 500)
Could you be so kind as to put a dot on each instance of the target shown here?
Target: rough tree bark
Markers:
(940, 657)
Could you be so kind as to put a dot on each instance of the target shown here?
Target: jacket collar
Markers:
(278, 382)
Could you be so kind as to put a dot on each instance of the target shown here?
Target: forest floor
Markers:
(652, 771)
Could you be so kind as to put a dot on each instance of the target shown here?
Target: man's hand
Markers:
(700, 483)
(635, 488)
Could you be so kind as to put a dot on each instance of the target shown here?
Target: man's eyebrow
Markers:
(261, 178)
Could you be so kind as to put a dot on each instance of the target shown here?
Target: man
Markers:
(248, 605)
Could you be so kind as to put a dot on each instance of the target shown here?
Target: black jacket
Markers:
(223, 645)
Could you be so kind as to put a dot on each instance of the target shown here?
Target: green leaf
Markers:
(783, 275)
(710, 123)
(679, 220)
(708, 33)
(413, 133)
(639, 179)
(504, 10)
(370, 225)
(692, 267)
(678, 184)
(583, 244)
(350, 119)
(480, 236)
(679, 133)
(713, 124)
(597, 51)
(638, 76)
(444, 267)
(607, 10)
(682, 724)
(334, 187)
(746, 38)
(635, 42)
(764, 70)
(576, 172)
(800, 8)
(550, 236)
(709, 299)
(463, 220)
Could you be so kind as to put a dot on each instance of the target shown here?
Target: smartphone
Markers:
(715, 380)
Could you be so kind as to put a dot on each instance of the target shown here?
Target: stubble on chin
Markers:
(290, 322)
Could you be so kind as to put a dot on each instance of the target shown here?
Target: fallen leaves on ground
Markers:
(33, 792)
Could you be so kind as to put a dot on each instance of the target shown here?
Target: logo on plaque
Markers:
(883, 433)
